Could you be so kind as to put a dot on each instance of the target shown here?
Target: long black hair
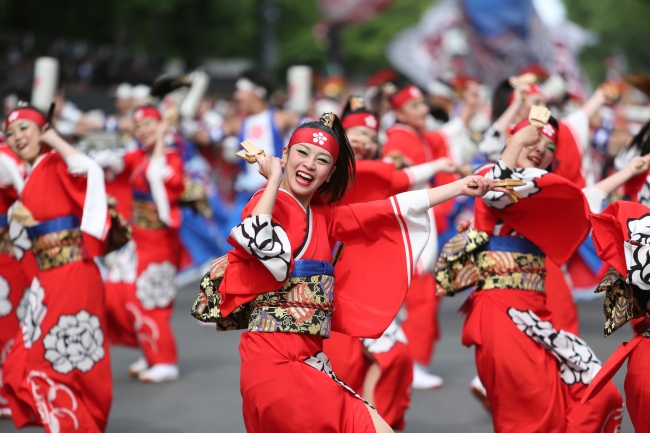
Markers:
(342, 179)
(641, 141)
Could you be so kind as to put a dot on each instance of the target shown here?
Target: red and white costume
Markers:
(535, 373)
(621, 236)
(283, 367)
(378, 180)
(141, 286)
(421, 323)
(58, 373)
(13, 278)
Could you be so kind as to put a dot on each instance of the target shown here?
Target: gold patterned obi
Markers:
(474, 259)
(624, 302)
(5, 241)
(304, 305)
(144, 212)
(56, 242)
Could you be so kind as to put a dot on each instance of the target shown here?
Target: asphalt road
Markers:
(207, 399)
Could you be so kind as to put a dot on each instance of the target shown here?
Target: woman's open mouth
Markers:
(303, 178)
(535, 160)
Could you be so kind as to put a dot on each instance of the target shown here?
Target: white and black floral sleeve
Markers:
(637, 252)
(267, 241)
(501, 171)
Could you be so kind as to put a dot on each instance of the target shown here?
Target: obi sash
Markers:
(144, 212)
(508, 262)
(56, 242)
(5, 241)
(304, 305)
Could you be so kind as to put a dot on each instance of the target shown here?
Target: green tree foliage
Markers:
(622, 27)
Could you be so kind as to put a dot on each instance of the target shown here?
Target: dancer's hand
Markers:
(484, 185)
(444, 165)
(270, 167)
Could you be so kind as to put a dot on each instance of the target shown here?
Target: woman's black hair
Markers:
(553, 121)
(342, 179)
(356, 104)
(641, 141)
(259, 79)
(500, 99)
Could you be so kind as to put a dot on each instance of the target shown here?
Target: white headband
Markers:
(248, 86)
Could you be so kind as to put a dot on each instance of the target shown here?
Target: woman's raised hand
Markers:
(270, 166)
(444, 165)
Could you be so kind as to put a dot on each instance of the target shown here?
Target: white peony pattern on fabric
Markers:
(75, 342)
(124, 269)
(23, 305)
(18, 234)
(35, 313)
(321, 362)
(391, 336)
(578, 363)
(47, 393)
(637, 252)
(267, 241)
(501, 171)
(156, 286)
(5, 303)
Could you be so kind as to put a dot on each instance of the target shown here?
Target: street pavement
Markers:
(207, 398)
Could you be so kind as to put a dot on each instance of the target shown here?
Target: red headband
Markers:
(146, 112)
(534, 90)
(316, 137)
(547, 130)
(405, 95)
(369, 120)
(25, 113)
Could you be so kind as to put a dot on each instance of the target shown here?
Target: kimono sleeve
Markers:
(262, 258)
(572, 156)
(165, 176)
(84, 182)
(383, 242)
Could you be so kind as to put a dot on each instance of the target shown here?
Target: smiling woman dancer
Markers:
(535, 372)
(58, 374)
(279, 280)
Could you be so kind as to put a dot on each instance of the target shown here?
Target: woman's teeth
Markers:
(304, 178)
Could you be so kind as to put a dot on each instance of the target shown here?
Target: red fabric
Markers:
(29, 377)
(316, 137)
(132, 324)
(421, 323)
(405, 95)
(376, 180)
(534, 90)
(282, 393)
(70, 290)
(521, 377)
(632, 187)
(8, 195)
(557, 234)
(17, 282)
(418, 149)
(548, 130)
(27, 114)
(369, 120)
(120, 189)
(559, 299)
(393, 391)
(51, 178)
(610, 232)
(367, 229)
(136, 163)
(568, 156)
(637, 386)
(146, 113)
(347, 358)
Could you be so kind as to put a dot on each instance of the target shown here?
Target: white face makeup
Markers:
(23, 139)
(307, 167)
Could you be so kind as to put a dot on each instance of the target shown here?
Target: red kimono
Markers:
(535, 374)
(141, 284)
(280, 273)
(377, 180)
(620, 235)
(13, 279)
(421, 324)
(58, 373)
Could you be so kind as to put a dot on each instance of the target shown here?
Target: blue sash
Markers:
(4, 221)
(308, 268)
(139, 195)
(512, 244)
(51, 226)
